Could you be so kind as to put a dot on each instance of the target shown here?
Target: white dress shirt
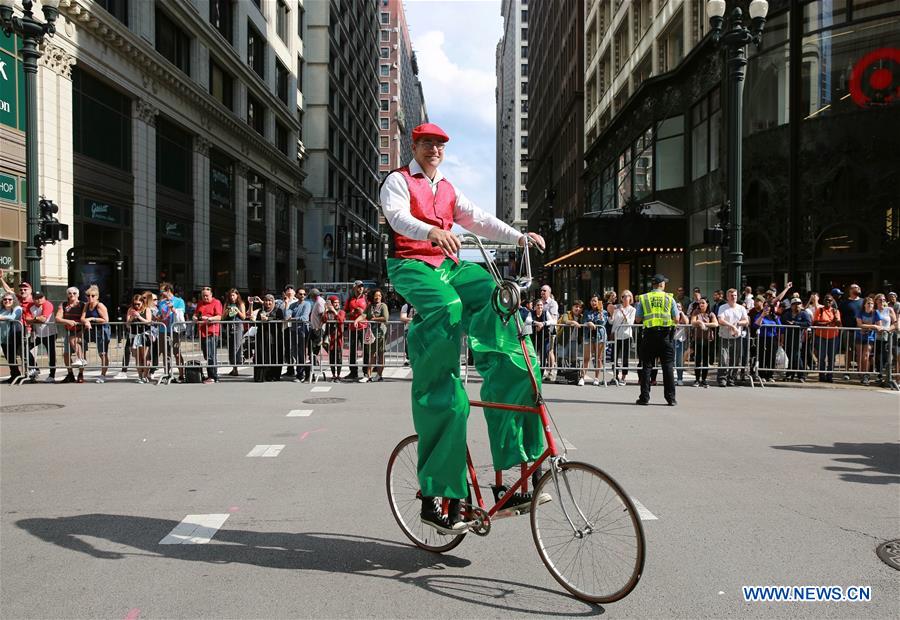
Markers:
(396, 209)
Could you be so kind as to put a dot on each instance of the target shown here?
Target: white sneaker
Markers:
(581, 382)
(596, 381)
(50, 379)
(363, 380)
(33, 373)
(100, 380)
(121, 375)
(78, 363)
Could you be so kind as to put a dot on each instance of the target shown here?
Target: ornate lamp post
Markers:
(32, 32)
(735, 39)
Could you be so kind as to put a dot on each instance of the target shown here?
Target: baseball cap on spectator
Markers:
(313, 292)
(24, 285)
(796, 300)
(333, 298)
(358, 283)
(837, 291)
(37, 295)
(287, 287)
(760, 298)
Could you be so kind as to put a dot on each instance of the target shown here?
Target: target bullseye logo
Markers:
(875, 79)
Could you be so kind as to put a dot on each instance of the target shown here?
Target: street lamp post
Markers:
(735, 39)
(32, 32)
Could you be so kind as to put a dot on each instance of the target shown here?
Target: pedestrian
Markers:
(681, 297)
(869, 324)
(23, 296)
(269, 344)
(595, 320)
(95, 319)
(768, 325)
(573, 338)
(208, 315)
(732, 319)
(172, 311)
(827, 336)
(334, 336)
(138, 320)
(377, 315)
(407, 314)
(355, 314)
(453, 297)
(12, 339)
(316, 333)
(850, 306)
(41, 321)
(886, 324)
(705, 323)
(621, 324)
(748, 298)
(718, 300)
(289, 304)
(657, 312)
(157, 333)
(234, 313)
(69, 316)
(892, 302)
(552, 308)
(680, 342)
(796, 326)
(541, 321)
(695, 301)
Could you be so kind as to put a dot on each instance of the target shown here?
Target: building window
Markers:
(524, 51)
(283, 79)
(221, 85)
(706, 122)
(385, 105)
(523, 196)
(282, 136)
(256, 51)
(174, 156)
(524, 88)
(524, 142)
(172, 42)
(524, 34)
(524, 69)
(256, 198)
(669, 169)
(383, 123)
(300, 74)
(385, 160)
(300, 22)
(116, 8)
(523, 124)
(524, 106)
(524, 15)
(643, 165)
(523, 178)
(621, 48)
(385, 70)
(671, 45)
(221, 13)
(256, 115)
(385, 18)
(101, 121)
(221, 180)
(281, 20)
(385, 142)
(384, 52)
(385, 88)
(282, 209)
(385, 35)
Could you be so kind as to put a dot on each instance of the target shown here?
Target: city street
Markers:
(739, 487)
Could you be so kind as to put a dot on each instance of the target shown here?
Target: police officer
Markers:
(657, 312)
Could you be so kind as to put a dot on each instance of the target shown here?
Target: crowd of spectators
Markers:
(733, 332)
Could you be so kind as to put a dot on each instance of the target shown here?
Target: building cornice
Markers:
(157, 72)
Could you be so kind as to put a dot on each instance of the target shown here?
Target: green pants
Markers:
(449, 300)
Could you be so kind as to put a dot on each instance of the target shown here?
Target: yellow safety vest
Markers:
(656, 309)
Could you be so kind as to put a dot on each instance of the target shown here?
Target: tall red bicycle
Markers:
(585, 527)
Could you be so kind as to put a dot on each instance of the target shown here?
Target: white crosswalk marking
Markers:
(568, 444)
(268, 451)
(321, 388)
(299, 413)
(643, 513)
(396, 373)
(195, 530)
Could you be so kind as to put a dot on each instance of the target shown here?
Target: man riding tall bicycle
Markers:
(453, 297)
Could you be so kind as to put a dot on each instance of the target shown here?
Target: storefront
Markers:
(222, 224)
(12, 160)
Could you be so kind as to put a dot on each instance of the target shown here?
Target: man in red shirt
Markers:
(355, 313)
(24, 297)
(208, 314)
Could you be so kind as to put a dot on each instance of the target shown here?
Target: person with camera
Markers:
(768, 326)
(269, 341)
(827, 336)
(208, 315)
(334, 336)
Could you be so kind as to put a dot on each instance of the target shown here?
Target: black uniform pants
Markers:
(656, 343)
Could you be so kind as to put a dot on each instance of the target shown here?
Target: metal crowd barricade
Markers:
(796, 352)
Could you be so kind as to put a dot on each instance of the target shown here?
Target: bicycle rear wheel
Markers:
(405, 499)
(603, 561)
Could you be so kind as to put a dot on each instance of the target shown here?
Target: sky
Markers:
(455, 43)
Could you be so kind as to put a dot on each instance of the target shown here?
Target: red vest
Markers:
(435, 209)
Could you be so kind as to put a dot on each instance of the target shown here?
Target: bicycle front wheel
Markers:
(601, 559)
(405, 499)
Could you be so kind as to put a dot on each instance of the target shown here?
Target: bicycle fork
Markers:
(555, 472)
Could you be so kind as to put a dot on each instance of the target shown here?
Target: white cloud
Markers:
(452, 88)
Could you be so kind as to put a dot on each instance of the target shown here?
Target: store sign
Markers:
(102, 212)
(174, 230)
(220, 186)
(8, 186)
(12, 91)
(8, 257)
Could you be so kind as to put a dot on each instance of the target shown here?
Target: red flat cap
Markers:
(430, 130)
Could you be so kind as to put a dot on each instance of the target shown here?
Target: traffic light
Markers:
(52, 230)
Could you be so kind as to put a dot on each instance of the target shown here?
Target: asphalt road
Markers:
(775, 486)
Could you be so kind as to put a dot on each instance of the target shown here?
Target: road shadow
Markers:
(879, 463)
(315, 551)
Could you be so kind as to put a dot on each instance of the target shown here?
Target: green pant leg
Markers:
(515, 437)
(440, 406)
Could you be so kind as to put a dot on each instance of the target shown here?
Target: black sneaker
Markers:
(433, 516)
(519, 503)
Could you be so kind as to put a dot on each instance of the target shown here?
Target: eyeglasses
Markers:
(9, 299)
(91, 295)
(429, 144)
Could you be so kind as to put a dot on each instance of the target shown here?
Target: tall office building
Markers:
(401, 100)
(555, 126)
(341, 79)
(168, 134)
(512, 115)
